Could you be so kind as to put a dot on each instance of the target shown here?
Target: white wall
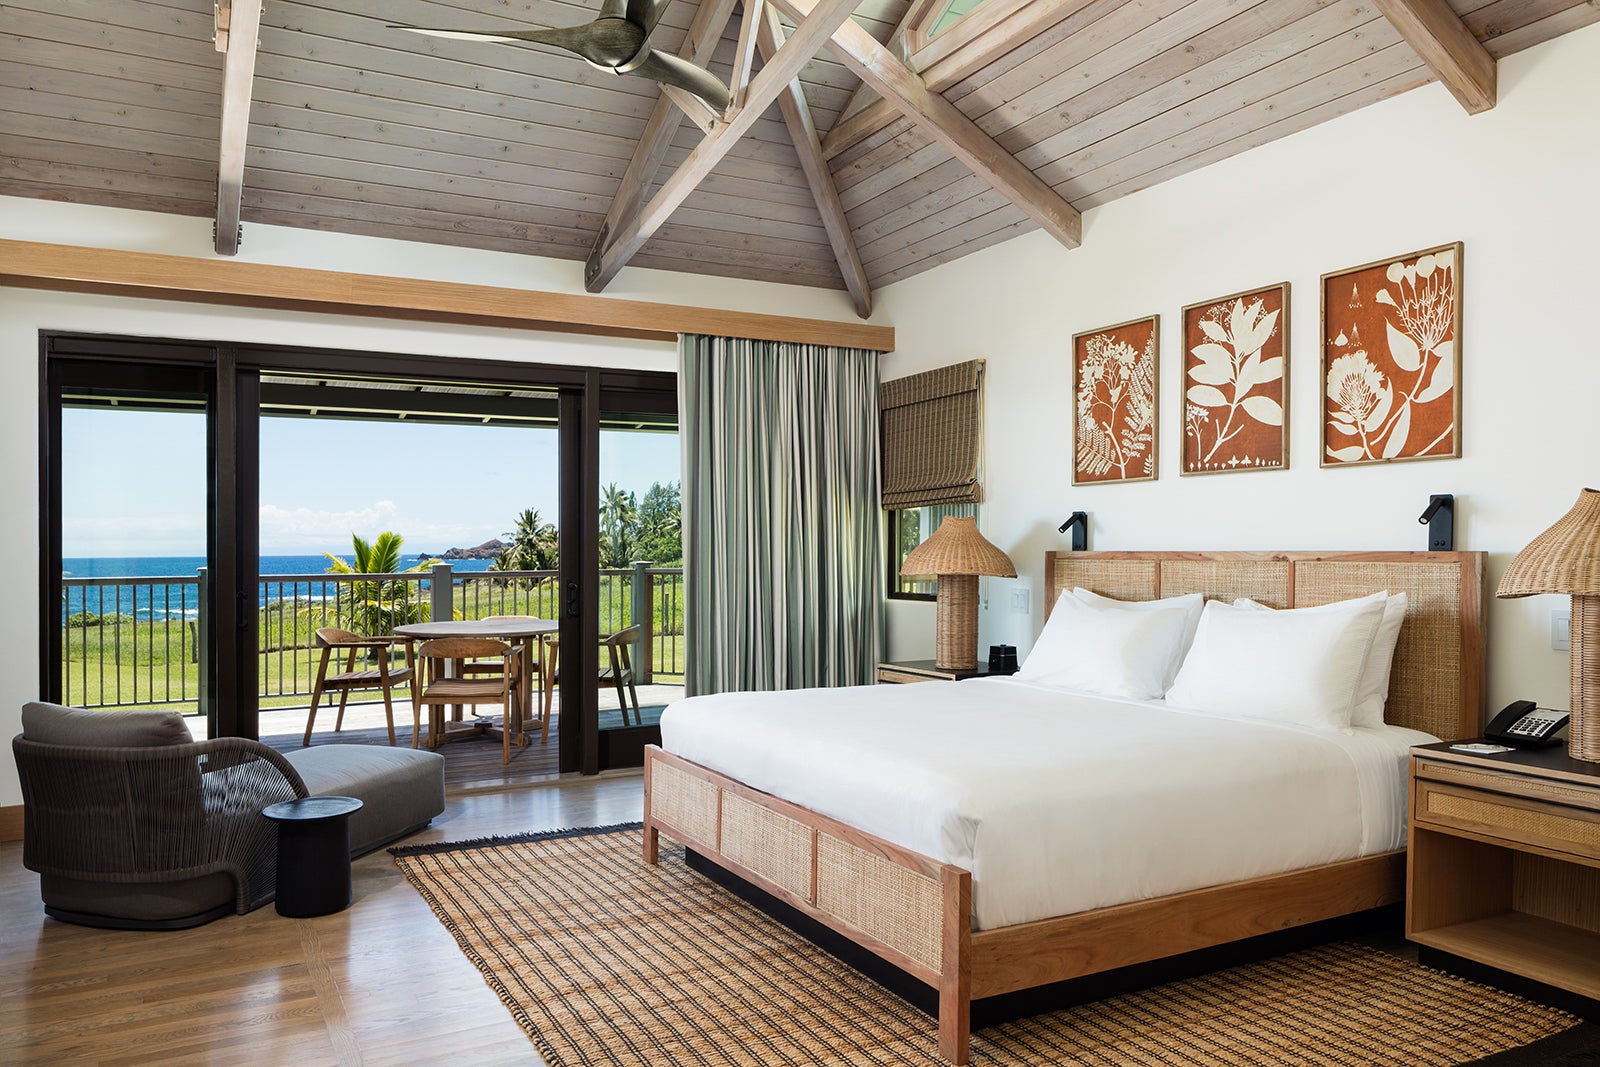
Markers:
(1516, 184)
(23, 313)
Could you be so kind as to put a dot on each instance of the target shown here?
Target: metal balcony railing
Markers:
(139, 642)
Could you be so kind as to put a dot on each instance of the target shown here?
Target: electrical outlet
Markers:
(1019, 601)
(1561, 631)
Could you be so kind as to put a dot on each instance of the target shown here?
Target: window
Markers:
(908, 528)
(932, 426)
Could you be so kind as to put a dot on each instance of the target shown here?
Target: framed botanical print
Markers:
(1114, 402)
(1391, 359)
(1236, 382)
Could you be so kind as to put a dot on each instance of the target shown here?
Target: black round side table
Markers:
(313, 854)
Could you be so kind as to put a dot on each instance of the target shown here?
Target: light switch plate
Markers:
(1561, 631)
(1019, 601)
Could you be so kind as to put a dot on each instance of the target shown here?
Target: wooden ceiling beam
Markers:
(947, 124)
(1436, 33)
(744, 55)
(238, 32)
(803, 131)
(149, 275)
(695, 109)
(705, 30)
(821, 19)
(953, 66)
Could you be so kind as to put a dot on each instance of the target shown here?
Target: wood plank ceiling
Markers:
(359, 128)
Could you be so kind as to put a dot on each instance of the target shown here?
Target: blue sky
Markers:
(133, 483)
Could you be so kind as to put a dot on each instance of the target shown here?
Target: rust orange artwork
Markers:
(1235, 377)
(1114, 390)
(1391, 359)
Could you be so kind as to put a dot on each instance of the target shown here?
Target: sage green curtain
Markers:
(783, 561)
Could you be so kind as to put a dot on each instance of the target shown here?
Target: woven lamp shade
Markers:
(1566, 559)
(957, 553)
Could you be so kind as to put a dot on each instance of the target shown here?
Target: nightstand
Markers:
(924, 670)
(1504, 863)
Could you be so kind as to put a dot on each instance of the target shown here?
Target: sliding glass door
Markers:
(138, 608)
(214, 505)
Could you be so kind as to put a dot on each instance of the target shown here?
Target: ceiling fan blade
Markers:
(645, 13)
(604, 42)
(672, 70)
(459, 35)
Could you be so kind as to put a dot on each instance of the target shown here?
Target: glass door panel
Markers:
(640, 587)
(130, 560)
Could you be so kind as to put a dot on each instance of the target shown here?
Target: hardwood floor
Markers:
(380, 983)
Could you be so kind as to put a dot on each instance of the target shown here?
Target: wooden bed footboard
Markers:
(912, 911)
(916, 912)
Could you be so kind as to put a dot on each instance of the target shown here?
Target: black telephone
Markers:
(1526, 725)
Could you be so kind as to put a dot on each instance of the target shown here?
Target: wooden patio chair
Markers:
(616, 670)
(540, 667)
(442, 681)
(331, 639)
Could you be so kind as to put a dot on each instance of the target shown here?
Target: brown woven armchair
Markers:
(152, 837)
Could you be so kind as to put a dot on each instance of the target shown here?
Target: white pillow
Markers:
(1295, 666)
(1374, 689)
(1106, 651)
(1192, 603)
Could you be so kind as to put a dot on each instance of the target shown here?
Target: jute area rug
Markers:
(603, 960)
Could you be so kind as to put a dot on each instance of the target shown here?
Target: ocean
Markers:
(178, 599)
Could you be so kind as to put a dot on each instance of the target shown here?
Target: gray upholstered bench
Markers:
(132, 823)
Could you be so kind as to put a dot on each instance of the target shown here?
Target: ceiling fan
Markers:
(617, 41)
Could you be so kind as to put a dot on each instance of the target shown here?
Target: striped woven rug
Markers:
(603, 960)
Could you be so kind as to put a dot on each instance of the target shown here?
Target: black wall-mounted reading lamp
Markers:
(1078, 523)
(1440, 519)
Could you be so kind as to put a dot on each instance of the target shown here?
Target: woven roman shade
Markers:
(932, 429)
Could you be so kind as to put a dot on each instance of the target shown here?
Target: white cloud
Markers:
(310, 530)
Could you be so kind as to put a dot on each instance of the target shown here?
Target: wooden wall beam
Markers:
(947, 124)
(1436, 33)
(857, 123)
(820, 20)
(803, 131)
(70, 268)
(239, 30)
(705, 30)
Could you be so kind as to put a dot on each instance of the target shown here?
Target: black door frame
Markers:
(72, 361)
(582, 394)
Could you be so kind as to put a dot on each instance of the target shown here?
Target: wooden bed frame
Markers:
(916, 912)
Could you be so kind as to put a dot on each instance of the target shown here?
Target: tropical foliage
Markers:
(630, 529)
(377, 607)
(533, 546)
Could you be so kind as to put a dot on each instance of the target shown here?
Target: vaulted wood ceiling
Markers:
(359, 128)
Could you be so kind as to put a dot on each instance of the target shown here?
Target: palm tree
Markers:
(377, 607)
(535, 545)
(619, 512)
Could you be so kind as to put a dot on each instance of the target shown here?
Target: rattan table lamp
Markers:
(1566, 559)
(957, 553)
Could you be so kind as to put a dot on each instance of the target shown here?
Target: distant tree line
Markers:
(630, 529)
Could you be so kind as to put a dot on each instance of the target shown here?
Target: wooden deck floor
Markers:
(473, 763)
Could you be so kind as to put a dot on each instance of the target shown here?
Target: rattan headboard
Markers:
(1437, 684)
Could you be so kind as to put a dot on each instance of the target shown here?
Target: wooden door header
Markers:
(72, 268)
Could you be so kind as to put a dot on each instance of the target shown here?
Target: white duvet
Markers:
(1059, 802)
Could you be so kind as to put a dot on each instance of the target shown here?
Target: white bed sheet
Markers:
(1060, 802)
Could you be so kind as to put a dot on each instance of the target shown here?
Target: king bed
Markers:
(995, 835)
